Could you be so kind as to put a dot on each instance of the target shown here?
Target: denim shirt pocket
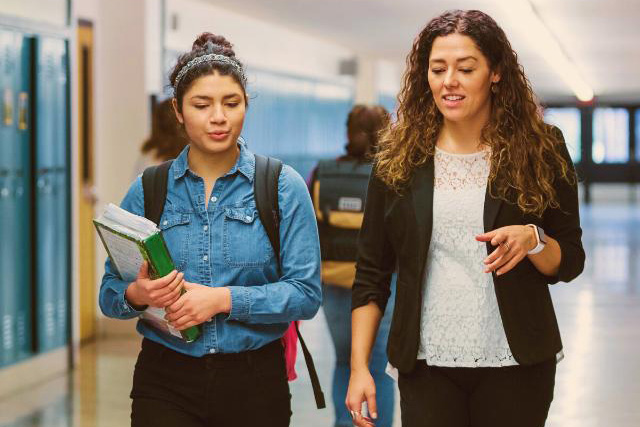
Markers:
(244, 239)
(175, 230)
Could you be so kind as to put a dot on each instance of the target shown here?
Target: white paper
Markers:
(156, 317)
(127, 223)
(392, 371)
(125, 254)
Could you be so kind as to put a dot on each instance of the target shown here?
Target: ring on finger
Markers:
(506, 244)
(354, 414)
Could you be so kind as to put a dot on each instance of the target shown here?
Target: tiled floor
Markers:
(598, 383)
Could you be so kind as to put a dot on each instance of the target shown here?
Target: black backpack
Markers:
(265, 188)
(342, 190)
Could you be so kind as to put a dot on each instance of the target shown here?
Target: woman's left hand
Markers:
(197, 305)
(513, 241)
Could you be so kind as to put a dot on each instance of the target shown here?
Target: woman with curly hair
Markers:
(469, 161)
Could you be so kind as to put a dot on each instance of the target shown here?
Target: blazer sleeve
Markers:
(563, 223)
(376, 258)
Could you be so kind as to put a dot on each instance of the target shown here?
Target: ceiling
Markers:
(602, 37)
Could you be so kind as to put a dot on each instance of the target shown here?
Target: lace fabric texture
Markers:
(461, 324)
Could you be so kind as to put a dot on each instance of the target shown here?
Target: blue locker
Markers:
(22, 194)
(52, 193)
(8, 68)
(15, 199)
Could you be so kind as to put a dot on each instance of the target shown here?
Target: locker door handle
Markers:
(23, 111)
(7, 107)
(44, 185)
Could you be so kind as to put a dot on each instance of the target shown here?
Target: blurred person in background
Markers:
(473, 200)
(167, 139)
(339, 189)
(234, 374)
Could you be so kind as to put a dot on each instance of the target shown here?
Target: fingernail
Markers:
(374, 415)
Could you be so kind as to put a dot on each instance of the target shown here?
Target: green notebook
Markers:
(131, 239)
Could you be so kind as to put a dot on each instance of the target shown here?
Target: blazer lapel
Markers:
(422, 198)
(491, 209)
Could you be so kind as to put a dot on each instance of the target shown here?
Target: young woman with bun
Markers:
(234, 374)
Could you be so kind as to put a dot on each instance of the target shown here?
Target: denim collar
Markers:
(245, 164)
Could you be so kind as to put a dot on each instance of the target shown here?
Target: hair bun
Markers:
(211, 43)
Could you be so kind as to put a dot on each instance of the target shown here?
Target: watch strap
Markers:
(540, 241)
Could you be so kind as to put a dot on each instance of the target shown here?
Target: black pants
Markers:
(514, 396)
(171, 389)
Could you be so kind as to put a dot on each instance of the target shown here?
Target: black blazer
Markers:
(396, 233)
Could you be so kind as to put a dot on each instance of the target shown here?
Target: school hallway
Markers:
(84, 88)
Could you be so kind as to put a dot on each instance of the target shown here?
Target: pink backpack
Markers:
(289, 340)
(290, 343)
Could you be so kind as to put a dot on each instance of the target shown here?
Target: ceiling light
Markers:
(537, 33)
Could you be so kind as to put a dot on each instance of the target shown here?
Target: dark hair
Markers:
(205, 44)
(364, 123)
(167, 139)
(524, 150)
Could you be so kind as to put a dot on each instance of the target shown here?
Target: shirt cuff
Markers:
(126, 307)
(240, 305)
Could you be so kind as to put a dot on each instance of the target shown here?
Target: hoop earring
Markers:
(494, 88)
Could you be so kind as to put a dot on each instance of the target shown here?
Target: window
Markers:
(568, 120)
(610, 135)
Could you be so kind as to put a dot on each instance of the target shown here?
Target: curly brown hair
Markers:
(525, 153)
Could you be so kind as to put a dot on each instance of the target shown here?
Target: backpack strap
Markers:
(154, 187)
(313, 375)
(265, 190)
(265, 186)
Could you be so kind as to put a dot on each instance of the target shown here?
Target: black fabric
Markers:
(433, 396)
(171, 389)
(396, 232)
(154, 187)
(265, 184)
(265, 190)
(340, 180)
(267, 173)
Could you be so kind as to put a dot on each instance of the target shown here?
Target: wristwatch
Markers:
(541, 238)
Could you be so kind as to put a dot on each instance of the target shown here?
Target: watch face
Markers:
(543, 237)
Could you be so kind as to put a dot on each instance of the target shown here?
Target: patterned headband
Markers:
(211, 57)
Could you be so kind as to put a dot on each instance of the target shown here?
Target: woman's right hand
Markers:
(362, 388)
(158, 293)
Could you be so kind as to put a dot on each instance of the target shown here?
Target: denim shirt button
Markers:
(248, 218)
(205, 228)
(204, 258)
(165, 222)
(214, 199)
(212, 351)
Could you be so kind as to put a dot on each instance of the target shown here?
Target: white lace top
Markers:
(461, 324)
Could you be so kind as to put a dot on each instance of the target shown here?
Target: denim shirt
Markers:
(225, 244)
